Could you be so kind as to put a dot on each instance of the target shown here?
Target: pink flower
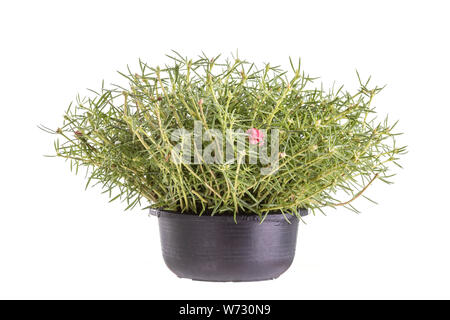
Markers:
(255, 136)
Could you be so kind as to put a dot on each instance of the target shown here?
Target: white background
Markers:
(59, 241)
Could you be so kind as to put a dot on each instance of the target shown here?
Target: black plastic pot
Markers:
(215, 248)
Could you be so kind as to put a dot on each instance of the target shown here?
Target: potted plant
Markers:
(228, 156)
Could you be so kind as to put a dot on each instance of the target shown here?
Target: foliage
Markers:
(330, 141)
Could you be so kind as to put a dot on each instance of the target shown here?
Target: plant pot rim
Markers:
(271, 216)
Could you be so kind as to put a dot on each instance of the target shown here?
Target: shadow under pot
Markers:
(216, 248)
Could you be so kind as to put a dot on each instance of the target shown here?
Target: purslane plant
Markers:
(330, 143)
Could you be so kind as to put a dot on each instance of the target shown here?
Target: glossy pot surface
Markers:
(216, 248)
